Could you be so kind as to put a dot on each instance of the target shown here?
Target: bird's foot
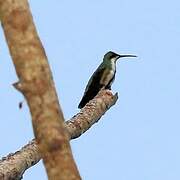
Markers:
(109, 92)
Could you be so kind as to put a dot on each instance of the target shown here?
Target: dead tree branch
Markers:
(14, 165)
(36, 84)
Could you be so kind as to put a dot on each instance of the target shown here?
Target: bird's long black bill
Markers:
(121, 56)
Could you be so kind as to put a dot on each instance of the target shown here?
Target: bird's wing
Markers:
(93, 87)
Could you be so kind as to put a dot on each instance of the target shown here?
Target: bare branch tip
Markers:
(116, 96)
(18, 86)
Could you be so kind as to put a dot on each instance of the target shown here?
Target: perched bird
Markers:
(103, 77)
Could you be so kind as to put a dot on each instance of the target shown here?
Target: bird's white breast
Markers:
(107, 76)
(113, 63)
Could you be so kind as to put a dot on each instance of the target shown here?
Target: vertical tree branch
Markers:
(35, 82)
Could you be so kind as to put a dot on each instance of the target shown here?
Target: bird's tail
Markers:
(83, 102)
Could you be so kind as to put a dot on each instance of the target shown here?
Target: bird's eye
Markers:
(112, 56)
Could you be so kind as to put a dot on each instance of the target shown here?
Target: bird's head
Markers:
(113, 57)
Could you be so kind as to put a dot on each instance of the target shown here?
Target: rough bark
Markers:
(14, 165)
(36, 84)
(91, 113)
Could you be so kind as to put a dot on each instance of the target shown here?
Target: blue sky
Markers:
(139, 137)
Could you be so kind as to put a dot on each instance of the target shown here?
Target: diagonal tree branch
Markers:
(91, 113)
(36, 84)
(14, 165)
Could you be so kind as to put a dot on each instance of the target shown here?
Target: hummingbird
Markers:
(103, 77)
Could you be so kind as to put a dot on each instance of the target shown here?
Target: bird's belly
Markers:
(106, 77)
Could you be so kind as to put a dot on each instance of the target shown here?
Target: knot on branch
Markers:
(35, 86)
